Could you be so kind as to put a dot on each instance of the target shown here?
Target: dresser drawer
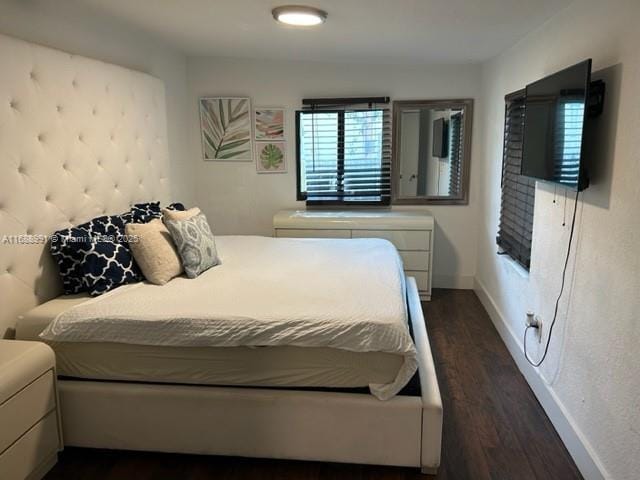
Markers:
(422, 279)
(23, 410)
(413, 260)
(402, 239)
(310, 233)
(31, 450)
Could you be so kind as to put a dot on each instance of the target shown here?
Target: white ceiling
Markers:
(389, 31)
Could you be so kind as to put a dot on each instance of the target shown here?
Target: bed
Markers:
(111, 153)
(215, 329)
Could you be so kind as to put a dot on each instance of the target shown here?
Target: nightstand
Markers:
(30, 434)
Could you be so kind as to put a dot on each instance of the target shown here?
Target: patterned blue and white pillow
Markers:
(176, 206)
(145, 212)
(109, 263)
(68, 247)
(94, 257)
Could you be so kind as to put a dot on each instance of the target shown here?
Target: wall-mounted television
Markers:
(440, 146)
(555, 114)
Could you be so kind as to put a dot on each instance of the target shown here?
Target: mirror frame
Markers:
(466, 105)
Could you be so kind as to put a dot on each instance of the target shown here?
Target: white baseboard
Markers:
(460, 282)
(575, 441)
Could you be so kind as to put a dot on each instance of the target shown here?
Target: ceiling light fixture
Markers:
(299, 15)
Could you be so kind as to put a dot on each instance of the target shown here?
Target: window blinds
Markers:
(456, 140)
(518, 192)
(344, 151)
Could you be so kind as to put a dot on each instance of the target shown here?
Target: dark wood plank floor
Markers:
(494, 427)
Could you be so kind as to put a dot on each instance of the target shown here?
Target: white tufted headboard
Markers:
(78, 138)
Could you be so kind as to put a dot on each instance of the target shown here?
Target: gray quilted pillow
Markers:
(195, 243)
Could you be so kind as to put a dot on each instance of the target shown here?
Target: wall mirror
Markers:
(431, 151)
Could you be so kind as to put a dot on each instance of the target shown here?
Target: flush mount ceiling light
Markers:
(299, 15)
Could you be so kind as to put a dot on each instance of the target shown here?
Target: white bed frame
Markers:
(248, 422)
(82, 138)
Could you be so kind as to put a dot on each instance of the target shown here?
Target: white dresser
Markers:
(29, 420)
(411, 232)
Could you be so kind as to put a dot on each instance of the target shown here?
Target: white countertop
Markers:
(354, 219)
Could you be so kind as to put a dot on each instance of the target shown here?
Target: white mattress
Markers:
(344, 294)
(232, 366)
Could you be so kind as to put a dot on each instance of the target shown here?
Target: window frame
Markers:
(340, 169)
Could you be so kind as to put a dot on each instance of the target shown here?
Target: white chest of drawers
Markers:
(29, 421)
(412, 234)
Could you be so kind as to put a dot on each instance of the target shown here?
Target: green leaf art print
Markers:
(226, 128)
(270, 157)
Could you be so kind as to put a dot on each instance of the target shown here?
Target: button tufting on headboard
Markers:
(68, 133)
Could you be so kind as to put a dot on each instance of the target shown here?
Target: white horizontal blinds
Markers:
(518, 192)
(456, 138)
(344, 152)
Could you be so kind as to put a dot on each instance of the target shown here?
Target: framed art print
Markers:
(225, 124)
(269, 124)
(271, 157)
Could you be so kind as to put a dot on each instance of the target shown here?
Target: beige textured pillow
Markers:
(154, 251)
(179, 214)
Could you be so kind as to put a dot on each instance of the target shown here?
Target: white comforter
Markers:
(346, 294)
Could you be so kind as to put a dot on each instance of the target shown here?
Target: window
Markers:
(518, 192)
(343, 150)
(456, 141)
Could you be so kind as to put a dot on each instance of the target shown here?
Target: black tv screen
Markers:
(440, 138)
(555, 112)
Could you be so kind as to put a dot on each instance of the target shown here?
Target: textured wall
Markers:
(237, 200)
(592, 368)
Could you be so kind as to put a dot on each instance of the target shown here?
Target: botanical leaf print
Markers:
(226, 128)
(271, 157)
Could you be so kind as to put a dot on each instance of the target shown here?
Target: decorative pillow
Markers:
(173, 214)
(109, 265)
(145, 212)
(154, 251)
(94, 257)
(77, 250)
(68, 248)
(195, 243)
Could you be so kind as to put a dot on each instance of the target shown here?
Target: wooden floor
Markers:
(494, 427)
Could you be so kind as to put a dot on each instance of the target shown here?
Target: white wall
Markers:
(237, 200)
(75, 27)
(590, 383)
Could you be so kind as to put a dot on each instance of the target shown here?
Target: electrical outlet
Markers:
(530, 319)
(535, 321)
(539, 329)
